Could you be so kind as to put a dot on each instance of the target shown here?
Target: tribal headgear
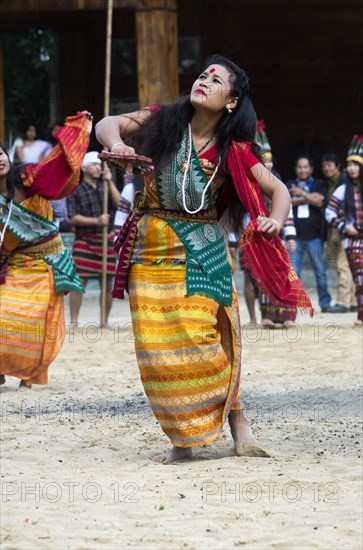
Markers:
(355, 151)
(262, 141)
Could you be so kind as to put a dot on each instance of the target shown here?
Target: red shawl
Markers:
(57, 176)
(267, 260)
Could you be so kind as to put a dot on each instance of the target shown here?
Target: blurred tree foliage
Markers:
(30, 61)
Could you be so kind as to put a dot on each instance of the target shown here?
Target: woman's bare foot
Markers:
(176, 453)
(105, 325)
(245, 443)
(24, 385)
(358, 323)
(268, 323)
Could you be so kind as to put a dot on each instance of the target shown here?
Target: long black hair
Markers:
(349, 206)
(160, 136)
(14, 178)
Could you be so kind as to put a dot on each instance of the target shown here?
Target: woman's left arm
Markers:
(275, 190)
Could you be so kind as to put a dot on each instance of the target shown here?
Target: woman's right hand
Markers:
(122, 149)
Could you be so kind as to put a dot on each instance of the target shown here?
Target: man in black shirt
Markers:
(307, 199)
(85, 210)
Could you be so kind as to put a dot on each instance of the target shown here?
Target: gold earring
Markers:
(228, 107)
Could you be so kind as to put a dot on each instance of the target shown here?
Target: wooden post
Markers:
(105, 185)
(2, 94)
(157, 51)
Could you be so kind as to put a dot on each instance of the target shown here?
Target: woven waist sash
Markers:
(52, 244)
(203, 216)
(52, 250)
(125, 242)
(47, 246)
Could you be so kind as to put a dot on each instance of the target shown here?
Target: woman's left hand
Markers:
(268, 226)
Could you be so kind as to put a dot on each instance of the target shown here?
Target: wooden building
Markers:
(304, 59)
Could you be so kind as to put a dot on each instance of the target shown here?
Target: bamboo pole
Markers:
(105, 185)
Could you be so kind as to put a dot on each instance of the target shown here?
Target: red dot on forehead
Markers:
(212, 70)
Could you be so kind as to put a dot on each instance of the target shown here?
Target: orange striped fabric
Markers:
(188, 351)
(31, 322)
(32, 313)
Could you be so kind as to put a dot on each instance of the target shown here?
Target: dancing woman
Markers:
(173, 253)
(35, 268)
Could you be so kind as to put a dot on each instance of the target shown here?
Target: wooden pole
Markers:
(157, 51)
(105, 185)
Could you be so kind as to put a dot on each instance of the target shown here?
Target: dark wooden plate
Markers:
(140, 164)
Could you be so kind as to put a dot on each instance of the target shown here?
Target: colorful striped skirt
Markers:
(189, 353)
(277, 314)
(87, 255)
(354, 253)
(31, 320)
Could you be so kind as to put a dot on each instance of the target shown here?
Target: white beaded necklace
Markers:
(185, 178)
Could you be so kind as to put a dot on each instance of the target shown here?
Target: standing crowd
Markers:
(324, 214)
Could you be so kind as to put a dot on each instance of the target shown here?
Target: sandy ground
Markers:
(78, 473)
